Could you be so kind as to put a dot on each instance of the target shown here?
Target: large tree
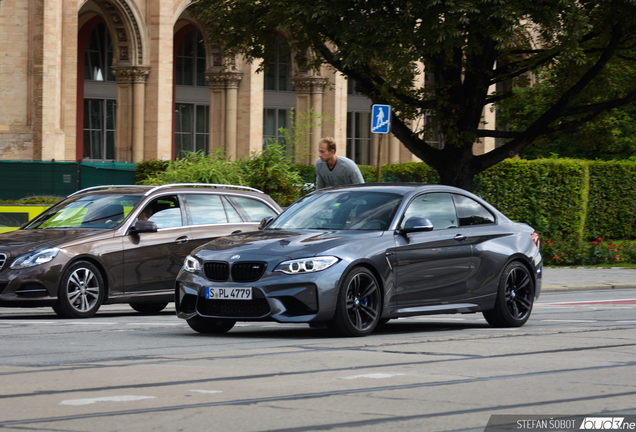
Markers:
(580, 48)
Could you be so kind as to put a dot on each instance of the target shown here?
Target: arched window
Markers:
(190, 62)
(279, 97)
(100, 94)
(359, 143)
(192, 97)
(98, 57)
(278, 73)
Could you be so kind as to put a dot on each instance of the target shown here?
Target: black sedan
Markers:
(355, 257)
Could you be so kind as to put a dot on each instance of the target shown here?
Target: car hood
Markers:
(283, 244)
(22, 241)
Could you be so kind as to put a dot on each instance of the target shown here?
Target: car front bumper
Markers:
(299, 298)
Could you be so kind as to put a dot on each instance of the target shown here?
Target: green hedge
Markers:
(612, 200)
(548, 194)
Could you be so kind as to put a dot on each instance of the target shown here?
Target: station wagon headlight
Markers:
(306, 265)
(191, 264)
(37, 257)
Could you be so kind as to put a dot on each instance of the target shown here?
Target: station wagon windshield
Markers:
(88, 212)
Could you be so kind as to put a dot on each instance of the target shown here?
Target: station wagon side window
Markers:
(165, 211)
(470, 212)
(439, 208)
(251, 209)
(206, 209)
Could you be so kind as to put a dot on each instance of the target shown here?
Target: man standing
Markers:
(332, 170)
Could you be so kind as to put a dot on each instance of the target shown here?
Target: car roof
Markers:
(397, 188)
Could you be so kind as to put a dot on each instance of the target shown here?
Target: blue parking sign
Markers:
(381, 119)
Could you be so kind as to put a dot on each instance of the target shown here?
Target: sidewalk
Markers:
(557, 279)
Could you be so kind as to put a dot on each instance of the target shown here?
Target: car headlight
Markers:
(306, 265)
(191, 264)
(38, 257)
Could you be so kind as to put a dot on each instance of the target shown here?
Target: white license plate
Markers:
(220, 293)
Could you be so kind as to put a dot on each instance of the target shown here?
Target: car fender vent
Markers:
(217, 271)
(3, 259)
(248, 271)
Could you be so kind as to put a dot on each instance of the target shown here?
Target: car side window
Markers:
(164, 211)
(206, 209)
(439, 208)
(470, 212)
(252, 210)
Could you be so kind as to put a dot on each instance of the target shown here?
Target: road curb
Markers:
(588, 287)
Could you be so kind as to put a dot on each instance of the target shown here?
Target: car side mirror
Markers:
(142, 226)
(265, 221)
(416, 224)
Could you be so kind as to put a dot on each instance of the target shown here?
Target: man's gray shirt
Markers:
(343, 173)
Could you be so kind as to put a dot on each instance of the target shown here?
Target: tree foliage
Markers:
(584, 49)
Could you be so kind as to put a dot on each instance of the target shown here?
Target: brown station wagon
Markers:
(120, 244)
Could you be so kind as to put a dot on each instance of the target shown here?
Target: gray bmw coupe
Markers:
(355, 257)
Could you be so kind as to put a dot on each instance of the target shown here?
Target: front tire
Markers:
(81, 292)
(210, 325)
(149, 308)
(515, 297)
(359, 304)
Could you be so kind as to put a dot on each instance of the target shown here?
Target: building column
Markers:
(131, 107)
(224, 111)
(309, 95)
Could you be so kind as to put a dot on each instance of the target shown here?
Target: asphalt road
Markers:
(121, 371)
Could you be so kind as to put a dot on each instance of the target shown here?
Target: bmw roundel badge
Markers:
(235, 257)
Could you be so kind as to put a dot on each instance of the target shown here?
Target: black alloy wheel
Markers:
(359, 304)
(514, 298)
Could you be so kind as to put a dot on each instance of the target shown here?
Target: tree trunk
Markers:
(461, 178)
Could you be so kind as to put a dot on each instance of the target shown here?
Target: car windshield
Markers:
(339, 210)
(90, 212)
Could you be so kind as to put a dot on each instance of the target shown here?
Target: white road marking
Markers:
(571, 321)
(156, 324)
(27, 322)
(206, 391)
(373, 376)
(89, 401)
(91, 323)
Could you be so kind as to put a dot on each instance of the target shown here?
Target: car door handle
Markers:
(182, 240)
(460, 237)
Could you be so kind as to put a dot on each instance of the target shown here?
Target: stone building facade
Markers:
(132, 80)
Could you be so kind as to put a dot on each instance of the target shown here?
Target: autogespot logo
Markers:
(603, 423)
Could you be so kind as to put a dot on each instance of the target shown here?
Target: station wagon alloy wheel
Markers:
(81, 291)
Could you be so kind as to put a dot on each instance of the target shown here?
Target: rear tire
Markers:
(210, 325)
(359, 304)
(149, 308)
(81, 292)
(515, 297)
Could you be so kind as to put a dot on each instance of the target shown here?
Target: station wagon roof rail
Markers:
(214, 185)
(155, 188)
(94, 188)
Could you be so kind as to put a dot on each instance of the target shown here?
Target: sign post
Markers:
(380, 124)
